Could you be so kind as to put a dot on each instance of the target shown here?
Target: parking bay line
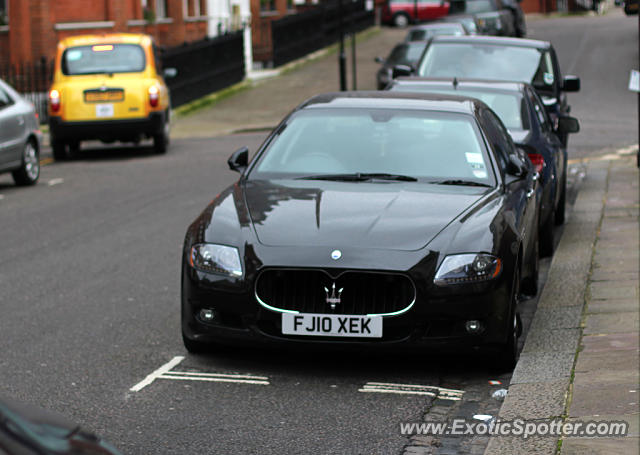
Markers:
(164, 372)
(412, 389)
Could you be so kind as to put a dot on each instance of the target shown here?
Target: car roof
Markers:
(493, 40)
(110, 38)
(484, 84)
(438, 24)
(394, 100)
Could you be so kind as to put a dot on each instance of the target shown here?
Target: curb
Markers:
(541, 381)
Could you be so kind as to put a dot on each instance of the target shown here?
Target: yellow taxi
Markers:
(108, 88)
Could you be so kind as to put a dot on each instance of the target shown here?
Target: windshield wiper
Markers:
(360, 177)
(462, 183)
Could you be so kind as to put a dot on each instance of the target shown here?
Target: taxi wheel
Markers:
(59, 150)
(161, 141)
(74, 148)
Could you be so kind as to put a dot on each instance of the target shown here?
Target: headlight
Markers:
(467, 268)
(221, 259)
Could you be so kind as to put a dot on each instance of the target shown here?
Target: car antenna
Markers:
(455, 82)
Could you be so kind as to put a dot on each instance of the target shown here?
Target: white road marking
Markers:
(412, 389)
(219, 375)
(156, 374)
(53, 182)
(213, 378)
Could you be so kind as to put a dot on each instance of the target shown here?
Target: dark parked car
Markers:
(466, 20)
(404, 12)
(504, 59)
(20, 137)
(427, 31)
(368, 219)
(29, 430)
(523, 114)
(492, 16)
(402, 54)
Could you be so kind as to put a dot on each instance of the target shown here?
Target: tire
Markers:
(401, 20)
(546, 235)
(161, 140)
(29, 170)
(508, 355)
(59, 149)
(74, 149)
(530, 285)
(195, 347)
(562, 202)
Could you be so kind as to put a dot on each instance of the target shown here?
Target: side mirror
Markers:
(516, 166)
(567, 125)
(571, 84)
(170, 72)
(401, 70)
(379, 60)
(239, 160)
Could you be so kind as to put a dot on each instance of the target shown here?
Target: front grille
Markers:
(362, 292)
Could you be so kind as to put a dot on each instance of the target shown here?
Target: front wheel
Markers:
(29, 170)
(508, 355)
(161, 140)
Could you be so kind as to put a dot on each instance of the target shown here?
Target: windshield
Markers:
(103, 58)
(510, 107)
(478, 6)
(424, 145)
(423, 34)
(486, 61)
(406, 54)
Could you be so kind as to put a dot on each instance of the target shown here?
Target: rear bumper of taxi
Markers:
(107, 130)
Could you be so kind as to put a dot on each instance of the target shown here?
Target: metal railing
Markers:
(32, 81)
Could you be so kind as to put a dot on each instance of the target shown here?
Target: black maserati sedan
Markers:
(375, 219)
(523, 114)
(502, 59)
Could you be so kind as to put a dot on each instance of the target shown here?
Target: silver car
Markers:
(20, 137)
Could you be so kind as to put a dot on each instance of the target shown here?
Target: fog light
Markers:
(473, 326)
(207, 315)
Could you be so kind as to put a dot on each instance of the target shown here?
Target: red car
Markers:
(403, 12)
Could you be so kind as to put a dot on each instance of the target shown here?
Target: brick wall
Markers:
(32, 25)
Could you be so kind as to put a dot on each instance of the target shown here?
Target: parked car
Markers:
(108, 88)
(467, 20)
(368, 219)
(407, 53)
(492, 16)
(26, 429)
(404, 12)
(426, 31)
(20, 137)
(631, 7)
(523, 114)
(497, 58)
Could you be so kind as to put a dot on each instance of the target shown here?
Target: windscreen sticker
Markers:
(476, 162)
(548, 78)
(74, 55)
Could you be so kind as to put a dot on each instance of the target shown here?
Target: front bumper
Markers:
(107, 130)
(432, 322)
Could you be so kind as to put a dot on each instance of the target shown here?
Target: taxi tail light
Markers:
(54, 100)
(154, 96)
(537, 160)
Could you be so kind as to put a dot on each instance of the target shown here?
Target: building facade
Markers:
(30, 29)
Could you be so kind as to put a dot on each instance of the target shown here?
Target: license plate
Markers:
(113, 95)
(332, 325)
(104, 110)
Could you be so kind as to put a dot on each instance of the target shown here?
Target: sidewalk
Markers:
(580, 358)
(265, 102)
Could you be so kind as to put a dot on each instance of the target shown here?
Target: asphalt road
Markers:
(89, 301)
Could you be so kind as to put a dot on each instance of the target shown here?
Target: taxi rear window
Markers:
(103, 58)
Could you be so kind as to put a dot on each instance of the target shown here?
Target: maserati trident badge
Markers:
(333, 298)
(336, 254)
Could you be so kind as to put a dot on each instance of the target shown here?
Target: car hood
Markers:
(394, 215)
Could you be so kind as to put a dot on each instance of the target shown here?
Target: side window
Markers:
(541, 112)
(5, 99)
(498, 137)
